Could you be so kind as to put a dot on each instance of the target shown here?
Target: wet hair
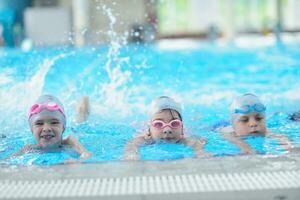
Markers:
(171, 112)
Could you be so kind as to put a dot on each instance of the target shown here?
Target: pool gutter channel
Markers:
(244, 177)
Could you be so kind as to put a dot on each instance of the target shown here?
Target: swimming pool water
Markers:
(121, 86)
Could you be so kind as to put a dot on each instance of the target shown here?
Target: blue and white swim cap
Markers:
(162, 103)
(245, 104)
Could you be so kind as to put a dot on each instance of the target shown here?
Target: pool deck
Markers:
(214, 174)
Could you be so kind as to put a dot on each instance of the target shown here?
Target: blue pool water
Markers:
(122, 83)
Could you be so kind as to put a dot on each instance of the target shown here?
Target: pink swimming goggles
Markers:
(51, 106)
(159, 124)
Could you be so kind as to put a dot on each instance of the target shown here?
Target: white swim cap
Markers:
(45, 105)
(162, 103)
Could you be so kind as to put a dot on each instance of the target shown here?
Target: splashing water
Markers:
(17, 99)
(204, 86)
(120, 78)
(114, 95)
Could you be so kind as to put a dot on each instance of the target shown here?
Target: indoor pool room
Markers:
(150, 99)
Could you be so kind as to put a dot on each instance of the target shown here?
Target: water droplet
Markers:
(136, 34)
(84, 31)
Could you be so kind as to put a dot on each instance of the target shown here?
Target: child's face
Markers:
(166, 133)
(47, 131)
(252, 123)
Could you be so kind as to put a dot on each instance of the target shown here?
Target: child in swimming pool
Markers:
(295, 116)
(47, 122)
(248, 118)
(165, 125)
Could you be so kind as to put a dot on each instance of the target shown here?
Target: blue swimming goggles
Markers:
(250, 108)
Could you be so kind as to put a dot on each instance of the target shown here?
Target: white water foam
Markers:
(17, 99)
(115, 96)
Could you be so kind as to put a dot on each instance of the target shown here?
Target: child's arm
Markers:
(131, 151)
(229, 135)
(284, 142)
(245, 148)
(197, 146)
(27, 148)
(75, 144)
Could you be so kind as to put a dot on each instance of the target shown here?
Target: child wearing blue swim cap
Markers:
(248, 115)
(165, 125)
(47, 121)
(248, 118)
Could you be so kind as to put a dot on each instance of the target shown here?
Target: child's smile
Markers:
(48, 131)
(47, 136)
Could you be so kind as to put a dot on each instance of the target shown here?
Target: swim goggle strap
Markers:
(159, 124)
(51, 106)
(246, 109)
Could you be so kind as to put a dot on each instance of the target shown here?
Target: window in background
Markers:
(186, 17)
(173, 16)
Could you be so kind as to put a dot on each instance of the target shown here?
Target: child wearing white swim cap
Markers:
(47, 121)
(165, 124)
(248, 118)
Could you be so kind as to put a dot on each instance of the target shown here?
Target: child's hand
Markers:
(249, 150)
(85, 155)
(71, 161)
(203, 141)
(132, 156)
(203, 154)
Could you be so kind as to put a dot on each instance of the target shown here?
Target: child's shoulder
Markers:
(225, 130)
(68, 139)
(142, 138)
(27, 148)
(30, 147)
